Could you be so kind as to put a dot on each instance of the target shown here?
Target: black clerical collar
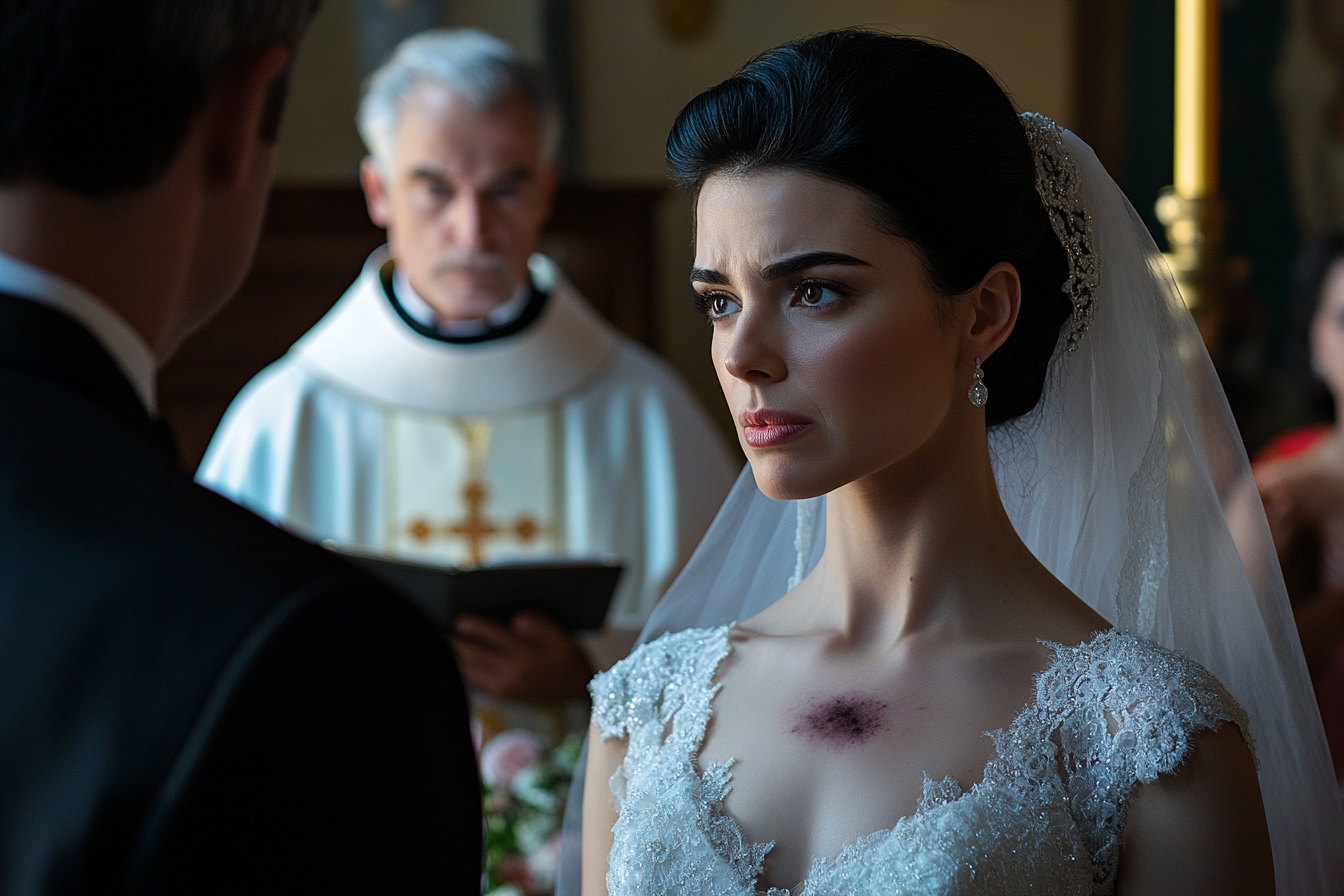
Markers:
(536, 304)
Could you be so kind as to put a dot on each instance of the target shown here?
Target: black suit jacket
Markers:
(192, 701)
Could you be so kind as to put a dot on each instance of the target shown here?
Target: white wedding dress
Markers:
(1128, 481)
(1047, 818)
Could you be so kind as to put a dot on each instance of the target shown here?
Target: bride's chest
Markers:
(819, 760)
(1046, 818)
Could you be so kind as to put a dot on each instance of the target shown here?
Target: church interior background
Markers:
(625, 67)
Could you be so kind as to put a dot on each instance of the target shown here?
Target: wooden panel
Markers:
(312, 247)
(604, 239)
(1101, 66)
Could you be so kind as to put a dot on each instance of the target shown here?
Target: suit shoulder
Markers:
(339, 722)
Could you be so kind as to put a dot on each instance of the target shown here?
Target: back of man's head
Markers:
(96, 95)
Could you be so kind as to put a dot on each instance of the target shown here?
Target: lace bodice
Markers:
(1047, 817)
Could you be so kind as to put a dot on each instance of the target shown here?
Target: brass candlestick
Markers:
(1194, 214)
(1196, 229)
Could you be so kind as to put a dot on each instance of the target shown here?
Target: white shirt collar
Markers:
(421, 312)
(130, 352)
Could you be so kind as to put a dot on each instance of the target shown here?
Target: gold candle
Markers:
(1196, 97)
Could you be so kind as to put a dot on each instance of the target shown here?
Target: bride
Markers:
(919, 312)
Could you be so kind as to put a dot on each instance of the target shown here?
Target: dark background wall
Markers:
(1125, 87)
(1253, 171)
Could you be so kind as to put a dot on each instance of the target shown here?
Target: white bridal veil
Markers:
(1130, 483)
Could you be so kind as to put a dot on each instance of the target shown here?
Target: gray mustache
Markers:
(486, 262)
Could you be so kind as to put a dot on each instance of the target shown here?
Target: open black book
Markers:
(575, 593)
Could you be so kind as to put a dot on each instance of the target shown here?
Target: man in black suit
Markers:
(191, 701)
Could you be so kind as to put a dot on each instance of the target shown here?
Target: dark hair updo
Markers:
(930, 136)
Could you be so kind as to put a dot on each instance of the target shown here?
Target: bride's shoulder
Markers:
(657, 678)
(1132, 702)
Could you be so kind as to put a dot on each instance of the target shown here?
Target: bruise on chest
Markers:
(842, 721)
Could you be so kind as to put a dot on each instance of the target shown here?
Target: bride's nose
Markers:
(751, 350)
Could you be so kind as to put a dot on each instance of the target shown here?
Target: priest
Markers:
(462, 404)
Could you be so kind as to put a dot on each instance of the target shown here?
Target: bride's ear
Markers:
(992, 311)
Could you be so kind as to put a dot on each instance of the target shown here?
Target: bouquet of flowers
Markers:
(525, 791)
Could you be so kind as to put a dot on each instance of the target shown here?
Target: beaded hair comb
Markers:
(1059, 184)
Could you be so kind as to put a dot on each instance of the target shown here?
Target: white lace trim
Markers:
(1047, 818)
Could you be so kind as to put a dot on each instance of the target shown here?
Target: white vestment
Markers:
(563, 439)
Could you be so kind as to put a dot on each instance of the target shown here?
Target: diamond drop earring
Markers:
(978, 394)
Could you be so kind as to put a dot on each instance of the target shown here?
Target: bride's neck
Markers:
(918, 546)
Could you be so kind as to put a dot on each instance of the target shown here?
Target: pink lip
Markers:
(766, 427)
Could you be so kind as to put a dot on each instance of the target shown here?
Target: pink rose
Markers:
(513, 869)
(506, 754)
(545, 862)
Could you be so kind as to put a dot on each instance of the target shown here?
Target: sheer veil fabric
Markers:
(1130, 483)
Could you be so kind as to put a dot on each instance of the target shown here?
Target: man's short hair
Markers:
(96, 95)
(472, 64)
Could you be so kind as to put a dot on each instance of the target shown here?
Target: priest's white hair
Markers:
(474, 65)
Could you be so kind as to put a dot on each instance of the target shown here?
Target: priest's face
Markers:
(463, 198)
(837, 357)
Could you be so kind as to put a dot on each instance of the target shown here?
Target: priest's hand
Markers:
(531, 658)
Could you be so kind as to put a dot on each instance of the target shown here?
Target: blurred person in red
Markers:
(1301, 479)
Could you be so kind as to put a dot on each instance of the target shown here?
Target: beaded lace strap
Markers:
(1059, 184)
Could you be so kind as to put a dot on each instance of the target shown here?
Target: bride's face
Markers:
(837, 357)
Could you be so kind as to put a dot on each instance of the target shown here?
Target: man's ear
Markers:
(994, 304)
(236, 113)
(375, 192)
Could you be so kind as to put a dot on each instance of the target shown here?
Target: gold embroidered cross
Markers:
(475, 528)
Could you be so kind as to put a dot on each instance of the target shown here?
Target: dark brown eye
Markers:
(718, 306)
(813, 294)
